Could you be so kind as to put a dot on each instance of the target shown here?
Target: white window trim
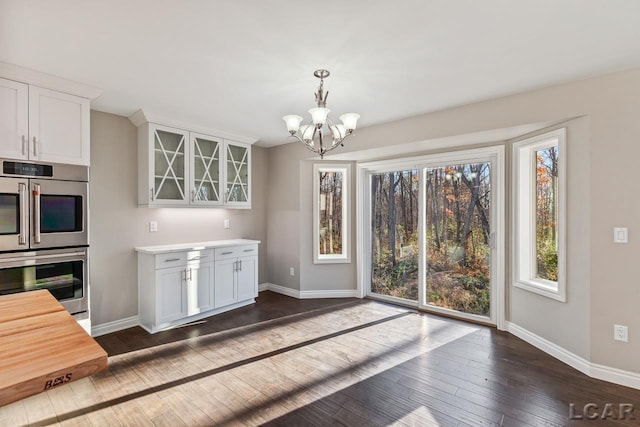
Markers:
(524, 226)
(345, 257)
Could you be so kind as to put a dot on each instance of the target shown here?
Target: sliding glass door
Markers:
(394, 234)
(458, 237)
(432, 227)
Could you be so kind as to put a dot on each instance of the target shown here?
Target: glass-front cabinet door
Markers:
(169, 154)
(238, 158)
(206, 171)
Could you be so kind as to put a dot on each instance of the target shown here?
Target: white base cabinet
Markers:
(177, 285)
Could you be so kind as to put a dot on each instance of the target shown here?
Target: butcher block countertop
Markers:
(42, 346)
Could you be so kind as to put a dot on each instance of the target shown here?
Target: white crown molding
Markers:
(48, 81)
(115, 326)
(144, 116)
(594, 370)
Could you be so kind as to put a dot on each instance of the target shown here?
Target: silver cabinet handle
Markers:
(24, 215)
(240, 269)
(151, 195)
(190, 277)
(35, 147)
(172, 259)
(248, 250)
(226, 253)
(24, 145)
(36, 212)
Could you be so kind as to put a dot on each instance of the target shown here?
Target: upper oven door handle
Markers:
(36, 213)
(24, 212)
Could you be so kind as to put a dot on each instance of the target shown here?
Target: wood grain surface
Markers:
(42, 346)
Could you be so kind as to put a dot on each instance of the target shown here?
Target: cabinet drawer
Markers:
(172, 259)
(200, 256)
(236, 251)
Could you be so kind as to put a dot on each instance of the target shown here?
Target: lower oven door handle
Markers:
(36, 213)
(29, 260)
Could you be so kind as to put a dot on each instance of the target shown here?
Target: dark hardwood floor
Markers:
(289, 362)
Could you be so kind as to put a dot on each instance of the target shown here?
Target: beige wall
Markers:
(117, 224)
(604, 148)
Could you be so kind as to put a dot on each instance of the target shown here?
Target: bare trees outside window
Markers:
(330, 213)
(546, 213)
(394, 215)
(458, 236)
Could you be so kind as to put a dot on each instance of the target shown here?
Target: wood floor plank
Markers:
(331, 362)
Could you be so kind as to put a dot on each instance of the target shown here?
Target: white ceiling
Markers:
(240, 65)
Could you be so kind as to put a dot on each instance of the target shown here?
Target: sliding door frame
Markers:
(495, 155)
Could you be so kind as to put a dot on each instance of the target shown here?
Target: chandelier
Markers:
(311, 135)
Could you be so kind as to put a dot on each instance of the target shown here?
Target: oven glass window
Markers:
(9, 213)
(63, 279)
(60, 214)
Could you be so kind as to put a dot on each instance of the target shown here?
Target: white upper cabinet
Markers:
(205, 169)
(14, 119)
(179, 166)
(58, 127)
(166, 159)
(43, 124)
(237, 162)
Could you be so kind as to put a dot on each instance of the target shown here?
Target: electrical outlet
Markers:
(620, 333)
(291, 271)
(227, 224)
(153, 226)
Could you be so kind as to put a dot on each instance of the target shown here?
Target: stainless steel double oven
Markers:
(44, 236)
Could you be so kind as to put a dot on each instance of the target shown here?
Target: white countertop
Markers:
(178, 247)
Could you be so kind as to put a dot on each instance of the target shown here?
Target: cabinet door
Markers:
(168, 168)
(224, 283)
(14, 119)
(247, 278)
(237, 170)
(171, 294)
(200, 295)
(58, 127)
(206, 170)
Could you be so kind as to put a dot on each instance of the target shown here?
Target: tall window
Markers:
(331, 220)
(539, 170)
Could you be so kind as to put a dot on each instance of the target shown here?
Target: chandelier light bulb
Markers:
(293, 123)
(319, 115)
(312, 135)
(350, 120)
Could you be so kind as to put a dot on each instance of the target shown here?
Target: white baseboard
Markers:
(116, 325)
(601, 372)
(341, 293)
(282, 290)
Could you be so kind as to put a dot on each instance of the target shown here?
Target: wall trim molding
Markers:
(601, 372)
(282, 290)
(338, 293)
(115, 326)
